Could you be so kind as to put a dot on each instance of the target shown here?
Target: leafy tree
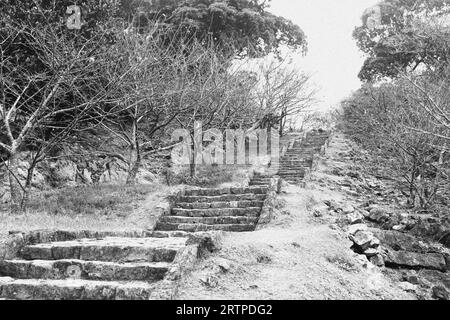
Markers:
(237, 27)
(403, 37)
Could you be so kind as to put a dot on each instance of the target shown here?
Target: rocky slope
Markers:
(411, 247)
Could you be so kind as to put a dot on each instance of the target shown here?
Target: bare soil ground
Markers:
(297, 256)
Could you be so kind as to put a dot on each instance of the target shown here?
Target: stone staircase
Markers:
(298, 159)
(106, 267)
(229, 209)
(83, 269)
(260, 180)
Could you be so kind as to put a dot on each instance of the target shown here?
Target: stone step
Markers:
(208, 220)
(249, 212)
(225, 191)
(224, 198)
(295, 162)
(79, 269)
(74, 289)
(292, 177)
(108, 249)
(219, 205)
(294, 173)
(261, 184)
(170, 234)
(299, 158)
(301, 149)
(197, 227)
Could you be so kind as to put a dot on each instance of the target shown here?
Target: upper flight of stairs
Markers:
(229, 209)
(84, 269)
(298, 160)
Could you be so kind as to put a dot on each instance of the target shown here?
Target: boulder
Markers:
(355, 218)
(413, 260)
(441, 293)
(347, 209)
(371, 252)
(11, 246)
(378, 215)
(400, 241)
(353, 229)
(223, 264)
(399, 228)
(377, 260)
(445, 239)
(364, 240)
(430, 278)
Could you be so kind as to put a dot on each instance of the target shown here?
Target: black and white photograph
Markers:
(224, 155)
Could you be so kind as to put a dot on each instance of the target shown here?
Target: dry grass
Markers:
(114, 208)
(207, 176)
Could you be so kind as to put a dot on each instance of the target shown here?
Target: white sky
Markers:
(333, 58)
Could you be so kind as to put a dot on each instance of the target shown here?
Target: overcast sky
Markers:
(333, 57)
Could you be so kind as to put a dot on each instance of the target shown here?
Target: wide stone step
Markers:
(249, 212)
(303, 155)
(79, 269)
(300, 149)
(293, 170)
(108, 249)
(219, 192)
(298, 157)
(219, 205)
(259, 183)
(170, 234)
(74, 289)
(290, 173)
(195, 227)
(223, 198)
(208, 220)
(297, 160)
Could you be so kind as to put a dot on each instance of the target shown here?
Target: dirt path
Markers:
(298, 256)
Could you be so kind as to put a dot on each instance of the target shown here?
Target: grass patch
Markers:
(105, 207)
(89, 200)
(207, 176)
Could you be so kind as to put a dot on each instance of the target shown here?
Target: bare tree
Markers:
(47, 96)
(282, 94)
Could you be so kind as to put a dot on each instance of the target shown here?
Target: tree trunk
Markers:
(14, 184)
(29, 181)
(134, 162)
(134, 165)
(412, 184)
